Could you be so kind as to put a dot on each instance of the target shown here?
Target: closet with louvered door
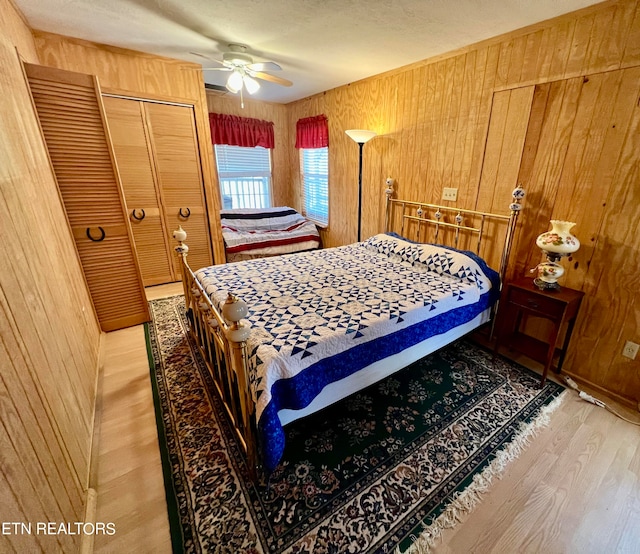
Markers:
(157, 152)
(71, 117)
(177, 158)
(132, 145)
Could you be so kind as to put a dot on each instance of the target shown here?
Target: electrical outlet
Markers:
(449, 194)
(630, 350)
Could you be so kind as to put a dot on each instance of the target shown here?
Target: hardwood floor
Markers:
(576, 488)
(129, 473)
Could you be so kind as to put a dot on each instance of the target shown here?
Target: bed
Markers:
(260, 232)
(285, 337)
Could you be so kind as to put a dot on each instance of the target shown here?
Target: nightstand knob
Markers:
(532, 303)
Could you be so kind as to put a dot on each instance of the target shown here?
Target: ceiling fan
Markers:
(244, 72)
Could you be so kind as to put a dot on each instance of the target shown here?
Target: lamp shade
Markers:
(360, 136)
(559, 240)
(252, 85)
(234, 83)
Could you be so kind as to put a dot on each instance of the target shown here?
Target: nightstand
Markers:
(522, 298)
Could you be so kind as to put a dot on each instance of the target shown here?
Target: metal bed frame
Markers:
(221, 334)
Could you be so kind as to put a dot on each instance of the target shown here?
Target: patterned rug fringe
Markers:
(464, 502)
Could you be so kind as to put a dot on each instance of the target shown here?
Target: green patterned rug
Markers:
(385, 469)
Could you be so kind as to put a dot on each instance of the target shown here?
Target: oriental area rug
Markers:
(385, 470)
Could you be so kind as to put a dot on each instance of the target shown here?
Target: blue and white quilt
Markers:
(317, 317)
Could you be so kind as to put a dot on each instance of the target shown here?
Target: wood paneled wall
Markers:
(142, 75)
(434, 117)
(50, 337)
(280, 155)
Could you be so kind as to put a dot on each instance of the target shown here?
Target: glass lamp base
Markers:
(545, 285)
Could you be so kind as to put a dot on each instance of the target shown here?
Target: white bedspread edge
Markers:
(373, 373)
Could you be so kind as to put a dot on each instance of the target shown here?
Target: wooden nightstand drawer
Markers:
(536, 302)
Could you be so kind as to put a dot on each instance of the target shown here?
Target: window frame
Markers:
(225, 150)
(320, 222)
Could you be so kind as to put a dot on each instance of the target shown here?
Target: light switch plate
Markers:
(449, 194)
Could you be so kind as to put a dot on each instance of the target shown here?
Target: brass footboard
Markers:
(221, 336)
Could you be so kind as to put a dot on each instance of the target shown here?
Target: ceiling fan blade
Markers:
(264, 66)
(272, 78)
(210, 60)
(216, 69)
(200, 55)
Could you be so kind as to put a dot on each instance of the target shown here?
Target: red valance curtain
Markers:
(312, 132)
(241, 131)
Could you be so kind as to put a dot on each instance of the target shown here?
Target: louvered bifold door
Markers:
(72, 121)
(175, 147)
(126, 119)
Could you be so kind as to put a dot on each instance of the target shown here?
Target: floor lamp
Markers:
(360, 136)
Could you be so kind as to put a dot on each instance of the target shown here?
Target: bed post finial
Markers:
(388, 193)
(181, 235)
(517, 195)
(234, 310)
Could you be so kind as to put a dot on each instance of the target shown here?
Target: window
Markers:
(314, 171)
(245, 176)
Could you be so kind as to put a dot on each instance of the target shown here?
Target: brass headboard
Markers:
(449, 217)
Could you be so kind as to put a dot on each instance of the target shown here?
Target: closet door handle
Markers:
(185, 216)
(102, 235)
(134, 216)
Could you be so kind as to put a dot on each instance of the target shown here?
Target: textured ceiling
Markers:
(320, 44)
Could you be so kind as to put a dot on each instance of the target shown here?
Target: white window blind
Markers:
(314, 168)
(245, 176)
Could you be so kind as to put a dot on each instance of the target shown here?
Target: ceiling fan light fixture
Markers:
(252, 85)
(237, 58)
(234, 83)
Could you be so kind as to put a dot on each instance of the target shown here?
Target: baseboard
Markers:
(92, 473)
(87, 539)
(91, 500)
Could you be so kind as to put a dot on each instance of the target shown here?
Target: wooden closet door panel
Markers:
(111, 279)
(178, 164)
(133, 152)
(70, 113)
(197, 230)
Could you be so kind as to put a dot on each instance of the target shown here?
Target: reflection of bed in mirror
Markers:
(261, 232)
(286, 336)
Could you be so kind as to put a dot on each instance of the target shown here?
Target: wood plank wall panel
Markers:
(631, 49)
(504, 145)
(594, 122)
(49, 334)
(617, 263)
(595, 173)
(426, 112)
(552, 113)
(218, 102)
(141, 75)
